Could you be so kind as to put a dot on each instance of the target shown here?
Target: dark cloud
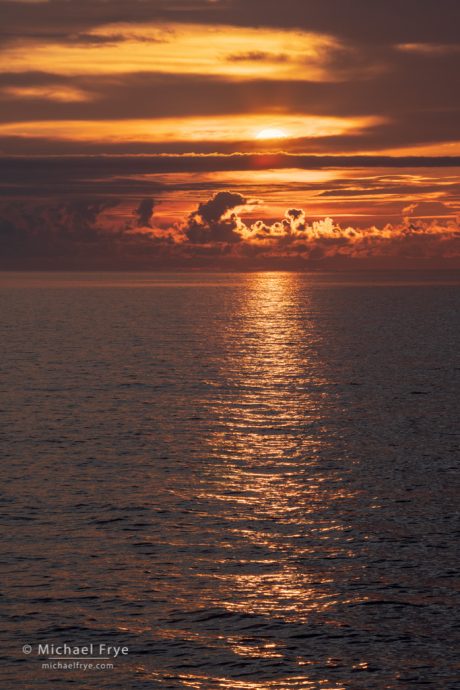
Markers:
(409, 86)
(212, 222)
(382, 21)
(144, 177)
(48, 232)
(143, 213)
(95, 39)
(257, 56)
(112, 39)
(79, 234)
(213, 210)
(87, 234)
(40, 170)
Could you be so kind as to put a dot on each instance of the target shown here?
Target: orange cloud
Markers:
(295, 233)
(88, 234)
(121, 48)
(222, 128)
(51, 92)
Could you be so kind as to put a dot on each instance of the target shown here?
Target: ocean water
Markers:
(249, 480)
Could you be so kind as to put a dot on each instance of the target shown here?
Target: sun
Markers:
(271, 133)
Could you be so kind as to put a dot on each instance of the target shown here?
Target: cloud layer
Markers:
(129, 133)
(88, 235)
(101, 62)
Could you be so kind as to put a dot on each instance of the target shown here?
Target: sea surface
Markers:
(249, 480)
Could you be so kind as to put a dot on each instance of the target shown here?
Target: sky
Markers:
(229, 134)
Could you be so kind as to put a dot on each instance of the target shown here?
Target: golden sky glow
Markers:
(271, 133)
(60, 93)
(283, 131)
(182, 49)
(223, 128)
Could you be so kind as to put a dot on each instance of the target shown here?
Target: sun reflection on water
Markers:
(264, 531)
(265, 472)
(198, 682)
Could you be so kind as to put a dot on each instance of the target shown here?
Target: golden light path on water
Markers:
(265, 477)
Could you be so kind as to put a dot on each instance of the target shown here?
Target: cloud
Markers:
(40, 172)
(144, 212)
(423, 108)
(79, 234)
(214, 220)
(257, 56)
(414, 82)
(48, 232)
(216, 229)
(94, 234)
(51, 92)
(113, 38)
(429, 48)
(428, 209)
(362, 22)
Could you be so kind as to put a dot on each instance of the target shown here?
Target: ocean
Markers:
(248, 481)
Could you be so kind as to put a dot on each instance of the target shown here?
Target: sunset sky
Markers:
(229, 134)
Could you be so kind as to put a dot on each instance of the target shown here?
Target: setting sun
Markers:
(271, 133)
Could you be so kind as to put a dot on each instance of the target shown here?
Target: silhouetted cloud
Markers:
(143, 213)
(88, 234)
(214, 221)
(45, 169)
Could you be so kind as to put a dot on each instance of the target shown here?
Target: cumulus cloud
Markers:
(215, 220)
(94, 234)
(323, 239)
